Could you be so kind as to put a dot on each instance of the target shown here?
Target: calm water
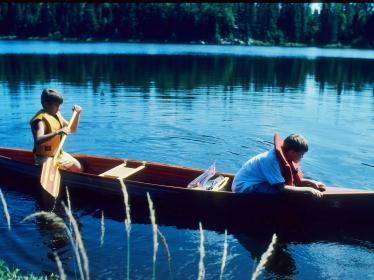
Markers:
(191, 106)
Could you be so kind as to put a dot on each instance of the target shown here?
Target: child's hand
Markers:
(321, 186)
(77, 108)
(315, 192)
(315, 184)
(318, 185)
(65, 130)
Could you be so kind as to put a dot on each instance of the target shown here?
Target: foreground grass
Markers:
(15, 274)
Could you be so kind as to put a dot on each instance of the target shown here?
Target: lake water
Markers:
(191, 106)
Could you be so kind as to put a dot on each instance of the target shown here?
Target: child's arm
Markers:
(310, 190)
(40, 137)
(313, 184)
(74, 126)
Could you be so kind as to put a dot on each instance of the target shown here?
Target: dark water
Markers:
(192, 106)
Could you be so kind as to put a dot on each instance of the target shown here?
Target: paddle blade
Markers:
(50, 178)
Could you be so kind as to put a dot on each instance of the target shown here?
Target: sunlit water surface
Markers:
(192, 106)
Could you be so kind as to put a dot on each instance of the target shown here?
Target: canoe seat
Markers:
(121, 171)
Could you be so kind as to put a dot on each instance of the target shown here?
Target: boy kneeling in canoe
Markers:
(277, 170)
(47, 126)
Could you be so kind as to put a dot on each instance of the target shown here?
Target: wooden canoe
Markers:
(167, 185)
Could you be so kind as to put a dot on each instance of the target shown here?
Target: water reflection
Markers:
(253, 238)
(280, 263)
(193, 110)
(174, 73)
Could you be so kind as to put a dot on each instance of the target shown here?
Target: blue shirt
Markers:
(263, 168)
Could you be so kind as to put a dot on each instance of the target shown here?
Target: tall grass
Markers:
(70, 226)
(68, 200)
(201, 274)
(224, 256)
(127, 224)
(163, 239)
(80, 251)
(102, 229)
(265, 257)
(79, 241)
(152, 216)
(12, 273)
(5, 207)
(59, 266)
(58, 222)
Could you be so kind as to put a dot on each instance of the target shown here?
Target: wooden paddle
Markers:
(51, 177)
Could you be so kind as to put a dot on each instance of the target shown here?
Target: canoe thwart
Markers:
(122, 171)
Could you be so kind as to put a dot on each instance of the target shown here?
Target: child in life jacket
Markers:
(47, 126)
(277, 170)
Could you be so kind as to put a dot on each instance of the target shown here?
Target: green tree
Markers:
(47, 22)
(4, 17)
(328, 23)
(89, 26)
(341, 22)
(348, 23)
(369, 30)
(311, 25)
(267, 18)
(358, 23)
(245, 18)
(291, 22)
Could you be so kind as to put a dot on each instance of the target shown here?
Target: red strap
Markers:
(291, 171)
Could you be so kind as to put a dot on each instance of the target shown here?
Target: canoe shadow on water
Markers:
(253, 236)
(188, 217)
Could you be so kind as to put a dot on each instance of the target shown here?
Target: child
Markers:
(277, 170)
(48, 126)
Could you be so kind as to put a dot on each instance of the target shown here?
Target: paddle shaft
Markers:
(75, 113)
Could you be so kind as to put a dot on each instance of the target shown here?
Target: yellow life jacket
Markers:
(52, 124)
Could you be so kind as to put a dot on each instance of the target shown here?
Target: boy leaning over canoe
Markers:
(47, 126)
(277, 170)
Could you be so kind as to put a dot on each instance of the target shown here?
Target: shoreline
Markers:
(235, 42)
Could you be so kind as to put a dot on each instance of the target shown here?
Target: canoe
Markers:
(167, 186)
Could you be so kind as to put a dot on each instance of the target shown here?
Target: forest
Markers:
(294, 24)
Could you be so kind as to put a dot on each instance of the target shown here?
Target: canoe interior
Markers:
(153, 173)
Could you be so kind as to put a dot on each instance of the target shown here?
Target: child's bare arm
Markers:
(40, 137)
(313, 184)
(310, 190)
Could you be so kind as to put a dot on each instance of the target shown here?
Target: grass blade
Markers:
(79, 241)
(265, 257)
(224, 256)
(201, 274)
(163, 239)
(58, 222)
(5, 207)
(152, 215)
(59, 266)
(102, 229)
(127, 223)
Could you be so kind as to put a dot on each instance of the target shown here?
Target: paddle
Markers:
(50, 177)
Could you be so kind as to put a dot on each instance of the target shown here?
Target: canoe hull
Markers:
(338, 205)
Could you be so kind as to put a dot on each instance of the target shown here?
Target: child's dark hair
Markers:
(295, 142)
(51, 95)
